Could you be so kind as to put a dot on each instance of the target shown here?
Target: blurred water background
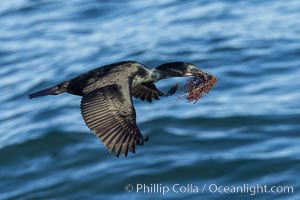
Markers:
(245, 131)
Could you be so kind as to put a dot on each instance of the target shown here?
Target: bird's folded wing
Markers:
(109, 113)
(148, 91)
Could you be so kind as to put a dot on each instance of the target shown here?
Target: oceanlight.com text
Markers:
(163, 189)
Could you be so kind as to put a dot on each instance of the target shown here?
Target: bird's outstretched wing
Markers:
(109, 113)
(148, 91)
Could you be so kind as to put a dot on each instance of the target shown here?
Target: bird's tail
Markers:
(58, 89)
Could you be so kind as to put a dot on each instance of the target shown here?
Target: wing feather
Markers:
(148, 91)
(109, 113)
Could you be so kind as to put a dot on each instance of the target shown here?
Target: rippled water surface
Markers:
(245, 131)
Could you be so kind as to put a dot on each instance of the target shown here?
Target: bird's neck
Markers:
(159, 74)
(145, 75)
(150, 75)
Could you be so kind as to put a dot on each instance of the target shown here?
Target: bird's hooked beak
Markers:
(189, 74)
(194, 71)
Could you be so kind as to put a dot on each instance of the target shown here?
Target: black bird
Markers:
(106, 104)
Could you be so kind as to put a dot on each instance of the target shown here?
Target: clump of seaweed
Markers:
(198, 85)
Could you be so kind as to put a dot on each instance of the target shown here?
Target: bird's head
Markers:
(178, 69)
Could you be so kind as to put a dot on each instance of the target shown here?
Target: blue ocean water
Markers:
(245, 132)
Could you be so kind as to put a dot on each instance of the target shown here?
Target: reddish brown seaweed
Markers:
(198, 85)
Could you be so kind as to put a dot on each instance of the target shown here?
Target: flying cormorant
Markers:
(106, 104)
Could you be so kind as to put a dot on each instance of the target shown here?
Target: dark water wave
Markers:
(246, 131)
